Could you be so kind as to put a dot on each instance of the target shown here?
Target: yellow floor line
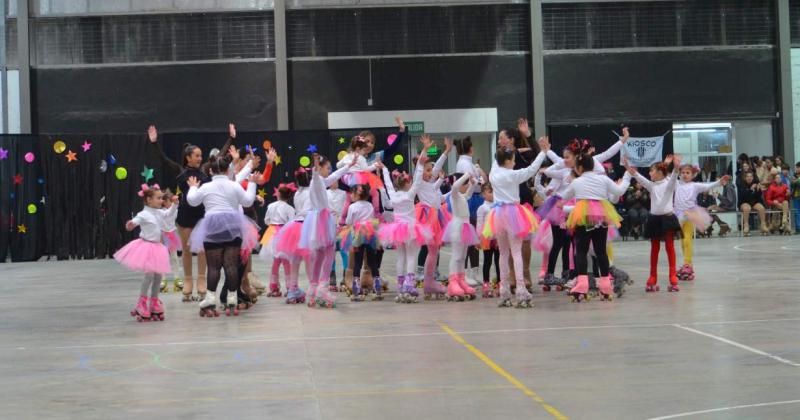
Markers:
(502, 372)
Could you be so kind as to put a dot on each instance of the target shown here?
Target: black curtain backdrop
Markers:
(22, 231)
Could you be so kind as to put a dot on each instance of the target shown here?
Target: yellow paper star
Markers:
(262, 193)
(22, 229)
(178, 191)
(277, 159)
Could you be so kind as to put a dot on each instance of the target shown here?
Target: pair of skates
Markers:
(359, 293)
(407, 289)
(208, 306)
(523, 298)
(458, 290)
(177, 285)
(320, 296)
(148, 309)
(652, 285)
(587, 287)
(550, 282)
(686, 273)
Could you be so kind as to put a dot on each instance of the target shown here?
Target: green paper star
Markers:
(147, 174)
(341, 140)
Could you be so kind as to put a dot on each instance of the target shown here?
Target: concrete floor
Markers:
(729, 343)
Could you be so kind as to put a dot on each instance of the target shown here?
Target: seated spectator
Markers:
(707, 174)
(745, 168)
(751, 198)
(637, 201)
(777, 198)
(764, 173)
(727, 200)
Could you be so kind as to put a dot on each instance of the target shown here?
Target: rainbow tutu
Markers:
(698, 216)
(361, 233)
(268, 243)
(590, 213)
(434, 219)
(171, 241)
(399, 233)
(512, 218)
(287, 241)
(319, 230)
(459, 231)
(144, 256)
(352, 179)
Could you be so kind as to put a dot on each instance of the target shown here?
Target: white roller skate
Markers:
(232, 304)
(473, 277)
(505, 296)
(524, 298)
(208, 306)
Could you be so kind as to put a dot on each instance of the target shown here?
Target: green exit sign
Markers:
(415, 128)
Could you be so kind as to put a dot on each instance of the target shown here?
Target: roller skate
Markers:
(523, 298)
(473, 277)
(786, 229)
(605, 288)
(454, 291)
(325, 298)
(311, 295)
(764, 230)
(673, 287)
(164, 286)
(187, 297)
(177, 284)
(686, 273)
(551, 281)
(274, 289)
(378, 287)
(441, 278)
(593, 291)
(505, 296)
(620, 275)
(581, 289)
(407, 292)
(343, 287)
(433, 290)
(332, 283)
(469, 291)
(245, 302)
(356, 294)
(652, 285)
(746, 231)
(384, 285)
(141, 312)
(487, 291)
(256, 283)
(208, 306)
(295, 296)
(232, 305)
(156, 309)
(724, 228)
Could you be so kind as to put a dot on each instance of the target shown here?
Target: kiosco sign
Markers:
(643, 151)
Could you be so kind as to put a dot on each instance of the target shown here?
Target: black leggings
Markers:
(473, 257)
(597, 238)
(223, 295)
(372, 261)
(561, 241)
(378, 261)
(225, 256)
(490, 255)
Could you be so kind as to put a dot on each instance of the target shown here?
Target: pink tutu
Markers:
(144, 256)
(398, 233)
(434, 219)
(512, 218)
(224, 227)
(698, 216)
(460, 231)
(287, 241)
(543, 240)
(319, 230)
(550, 211)
(171, 241)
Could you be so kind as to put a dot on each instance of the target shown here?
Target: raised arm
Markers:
(459, 183)
(387, 181)
(556, 159)
(646, 183)
(615, 189)
(318, 194)
(334, 177)
(155, 147)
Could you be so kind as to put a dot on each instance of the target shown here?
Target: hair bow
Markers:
(146, 187)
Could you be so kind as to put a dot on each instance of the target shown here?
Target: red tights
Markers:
(655, 248)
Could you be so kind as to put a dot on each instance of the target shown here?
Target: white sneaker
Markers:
(473, 279)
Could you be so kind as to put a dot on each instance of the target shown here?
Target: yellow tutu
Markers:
(588, 213)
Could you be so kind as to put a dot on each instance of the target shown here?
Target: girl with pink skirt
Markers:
(460, 234)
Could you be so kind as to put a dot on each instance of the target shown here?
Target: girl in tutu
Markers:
(690, 215)
(170, 239)
(404, 234)
(489, 246)
(466, 165)
(431, 213)
(336, 198)
(318, 234)
(225, 234)
(509, 222)
(360, 173)
(589, 221)
(361, 236)
(147, 254)
(460, 234)
(278, 214)
(661, 223)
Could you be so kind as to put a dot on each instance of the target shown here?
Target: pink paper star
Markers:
(86, 146)
(3, 154)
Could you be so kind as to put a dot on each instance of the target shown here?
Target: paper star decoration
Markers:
(341, 140)
(17, 179)
(262, 193)
(312, 148)
(71, 156)
(3, 154)
(277, 160)
(86, 146)
(147, 174)
(178, 191)
(22, 229)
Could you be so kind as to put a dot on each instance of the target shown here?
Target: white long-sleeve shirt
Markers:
(168, 221)
(458, 201)
(403, 201)
(505, 182)
(221, 195)
(150, 222)
(360, 166)
(302, 198)
(561, 176)
(279, 213)
(661, 193)
(686, 193)
(428, 191)
(593, 186)
(465, 165)
(483, 211)
(359, 211)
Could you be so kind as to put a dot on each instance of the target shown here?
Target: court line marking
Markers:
(357, 337)
(740, 345)
(502, 372)
(716, 410)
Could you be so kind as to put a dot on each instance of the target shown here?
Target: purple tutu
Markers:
(224, 227)
(144, 256)
(460, 231)
(318, 231)
(550, 211)
(171, 241)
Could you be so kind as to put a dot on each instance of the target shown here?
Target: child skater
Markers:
(404, 233)
(489, 246)
(461, 235)
(508, 221)
(361, 235)
(661, 223)
(590, 219)
(466, 165)
(170, 239)
(147, 254)
(431, 213)
(690, 215)
(359, 172)
(337, 198)
(278, 214)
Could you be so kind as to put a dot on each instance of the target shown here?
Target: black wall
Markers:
(675, 85)
(196, 97)
(319, 87)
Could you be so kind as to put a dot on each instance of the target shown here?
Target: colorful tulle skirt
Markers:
(399, 233)
(144, 256)
(268, 243)
(550, 211)
(512, 218)
(543, 239)
(352, 179)
(434, 219)
(360, 234)
(590, 213)
(287, 241)
(171, 241)
(220, 228)
(698, 216)
(459, 231)
(319, 230)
